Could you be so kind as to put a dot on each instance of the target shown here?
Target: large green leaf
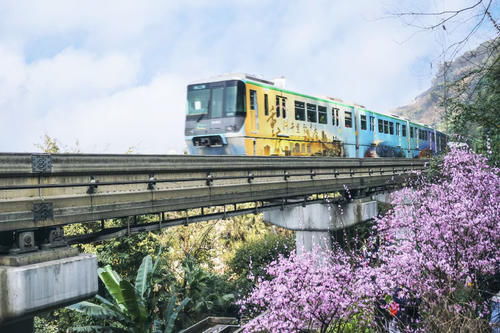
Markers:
(143, 275)
(171, 315)
(112, 283)
(95, 310)
(113, 307)
(134, 305)
(156, 261)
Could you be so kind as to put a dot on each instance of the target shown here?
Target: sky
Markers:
(109, 76)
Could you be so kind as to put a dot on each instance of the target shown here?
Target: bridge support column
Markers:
(314, 223)
(383, 197)
(37, 282)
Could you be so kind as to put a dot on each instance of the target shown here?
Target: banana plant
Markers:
(170, 315)
(128, 309)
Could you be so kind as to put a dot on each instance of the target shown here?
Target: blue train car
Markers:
(239, 114)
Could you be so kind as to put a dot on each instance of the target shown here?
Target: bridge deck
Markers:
(39, 190)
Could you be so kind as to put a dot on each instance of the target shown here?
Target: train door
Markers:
(253, 111)
(408, 138)
(356, 128)
(282, 131)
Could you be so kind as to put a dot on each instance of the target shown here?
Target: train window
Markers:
(391, 128)
(322, 114)
(348, 119)
(283, 106)
(300, 111)
(363, 122)
(386, 126)
(216, 106)
(311, 113)
(403, 130)
(253, 100)
(277, 106)
(234, 99)
(380, 126)
(215, 100)
(372, 123)
(335, 116)
(397, 129)
(266, 105)
(411, 132)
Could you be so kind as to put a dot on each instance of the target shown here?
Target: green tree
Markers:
(210, 294)
(474, 111)
(129, 309)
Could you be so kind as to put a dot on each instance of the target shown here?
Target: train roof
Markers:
(270, 84)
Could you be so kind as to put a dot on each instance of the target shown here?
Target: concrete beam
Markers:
(323, 216)
(31, 289)
(384, 197)
(314, 223)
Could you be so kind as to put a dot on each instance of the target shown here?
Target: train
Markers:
(242, 114)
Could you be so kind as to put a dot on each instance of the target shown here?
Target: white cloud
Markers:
(29, 93)
(149, 118)
(113, 74)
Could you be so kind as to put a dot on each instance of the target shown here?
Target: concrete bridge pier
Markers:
(36, 282)
(313, 224)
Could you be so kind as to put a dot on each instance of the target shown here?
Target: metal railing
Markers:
(39, 190)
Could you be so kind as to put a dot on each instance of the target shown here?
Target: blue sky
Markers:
(112, 74)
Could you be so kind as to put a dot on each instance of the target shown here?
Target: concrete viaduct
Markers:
(40, 193)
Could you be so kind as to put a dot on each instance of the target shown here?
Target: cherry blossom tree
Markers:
(316, 290)
(437, 251)
(441, 242)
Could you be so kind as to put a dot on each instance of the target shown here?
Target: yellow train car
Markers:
(239, 114)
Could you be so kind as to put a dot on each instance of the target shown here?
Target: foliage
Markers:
(41, 325)
(251, 259)
(51, 145)
(441, 242)
(129, 309)
(209, 293)
(473, 112)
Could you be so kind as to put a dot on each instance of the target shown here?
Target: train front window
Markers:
(198, 99)
(217, 99)
(217, 94)
(234, 100)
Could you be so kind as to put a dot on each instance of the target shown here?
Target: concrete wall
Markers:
(30, 289)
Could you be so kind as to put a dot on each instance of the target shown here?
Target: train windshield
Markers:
(216, 99)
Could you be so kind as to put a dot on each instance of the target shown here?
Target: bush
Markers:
(251, 259)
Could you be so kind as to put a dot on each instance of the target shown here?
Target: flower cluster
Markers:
(311, 291)
(435, 249)
(445, 232)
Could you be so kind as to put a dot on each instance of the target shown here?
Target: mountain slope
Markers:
(428, 106)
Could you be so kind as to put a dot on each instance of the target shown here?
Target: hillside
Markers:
(427, 107)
